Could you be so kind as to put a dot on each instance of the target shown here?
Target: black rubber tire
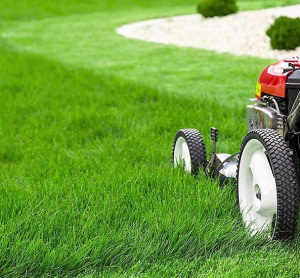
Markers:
(284, 222)
(196, 148)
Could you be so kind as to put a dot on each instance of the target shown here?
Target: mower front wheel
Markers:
(267, 187)
(189, 151)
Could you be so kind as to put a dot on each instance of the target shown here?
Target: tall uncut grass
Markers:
(86, 131)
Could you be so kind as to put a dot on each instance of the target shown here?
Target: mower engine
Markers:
(277, 99)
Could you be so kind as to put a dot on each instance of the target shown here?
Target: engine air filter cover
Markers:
(273, 79)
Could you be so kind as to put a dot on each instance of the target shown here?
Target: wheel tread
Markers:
(286, 182)
(196, 147)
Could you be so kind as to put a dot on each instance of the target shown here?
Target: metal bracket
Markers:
(213, 160)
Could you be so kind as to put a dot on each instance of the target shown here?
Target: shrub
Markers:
(284, 33)
(210, 8)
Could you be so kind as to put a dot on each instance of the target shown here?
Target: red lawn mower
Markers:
(266, 169)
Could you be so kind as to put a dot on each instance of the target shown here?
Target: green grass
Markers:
(87, 123)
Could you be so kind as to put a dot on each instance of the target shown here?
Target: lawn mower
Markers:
(266, 168)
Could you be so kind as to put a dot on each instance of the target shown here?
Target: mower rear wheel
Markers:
(267, 187)
(189, 151)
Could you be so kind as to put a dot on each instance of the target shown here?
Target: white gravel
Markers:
(240, 34)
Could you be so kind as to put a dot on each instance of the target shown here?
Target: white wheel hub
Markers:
(257, 188)
(182, 155)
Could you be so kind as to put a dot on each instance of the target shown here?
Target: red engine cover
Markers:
(273, 78)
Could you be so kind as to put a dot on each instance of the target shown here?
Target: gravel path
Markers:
(240, 34)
